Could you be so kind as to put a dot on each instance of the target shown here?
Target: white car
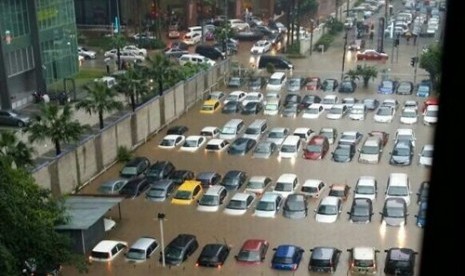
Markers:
(210, 132)
(195, 59)
(193, 143)
(337, 111)
(261, 47)
(257, 184)
(216, 95)
(351, 137)
(131, 57)
(192, 38)
(384, 114)
(252, 97)
(313, 111)
(305, 133)
(313, 188)
(86, 53)
(329, 209)
(426, 155)
(409, 116)
(358, 112)
(430, 115)
(111, 53)
(286, 184)
(410, 104)
(136, 50)
(217, 145)
(268, 205)
(277, 135)
(237, 96)
(107, 250)
(328, 101)
(366, 187)
(171, 141)
(405, 134)
(240, 203)
(238, 24)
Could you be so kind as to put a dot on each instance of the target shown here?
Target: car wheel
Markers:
(20, 124)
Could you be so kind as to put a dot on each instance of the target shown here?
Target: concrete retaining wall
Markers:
(77, 166)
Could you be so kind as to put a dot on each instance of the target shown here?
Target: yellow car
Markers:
(189, 192)
(210, 106)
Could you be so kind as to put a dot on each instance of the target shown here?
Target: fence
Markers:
(96, 152)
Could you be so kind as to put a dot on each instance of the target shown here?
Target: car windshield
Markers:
(397, 263)
(319, 263)
(276, 134)
(294, 82)
(360, 211)
(409, 114)
(190, 143)
(183, 195)
(384, 111)
(136, 254)
(154, 192)
(338, 193)
(312, 110)
(248, 256)
(288, 148)
(432, 113)
(327, 210)
(363, 263)
(265, 206)
(365, 190)
(398, 191)
(335, 110)
(172, 252)
(232, 97)
(207, 108)
(228, 130)
(100, 255)
(427, 153)
(261, 148)
(236, 204)
(283, 187)
(255, 184)
(370, 150)
(274, 81)
(252, 131)
(167, 142)
(314, 148)
(129, 171)
(295, 206)
(401, 151)
(307, 189)
(341, 152)
(394, 212)
(271, 107)
(209, 200)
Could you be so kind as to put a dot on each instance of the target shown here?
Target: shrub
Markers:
(324, 40)
(124, 154)
(270, 68)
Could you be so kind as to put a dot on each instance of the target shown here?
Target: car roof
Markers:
(269, 196)
(400, 254)
(279, 129)
(428, 147)
(317, 140)
(205, 175)
(189, 185)
(216, 141)
(237, 92)
(106, 245)
(330, 200)
(214, 190)
(338, 186)
(241, 196)
(253, 244)
(395, 202)
(143, 243)
(312, 182)
(363, 253)
(286, 250)
(366, 180)
(258, 178)
(210, 128)
(323, 253)
(287, 177)
(193, 137)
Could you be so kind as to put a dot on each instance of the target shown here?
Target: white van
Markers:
(276, 82)
(231, 129)
(256, 129)
(195, 59)
(398, 186)
(290, 147)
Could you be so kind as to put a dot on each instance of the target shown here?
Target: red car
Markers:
(384, 136)
(316, 148)
(253, 251)
(429, 101)
(372, 55)
(313, 83)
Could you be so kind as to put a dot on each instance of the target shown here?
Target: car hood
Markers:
(401, 160)
(294, 214)
(368, 158)
(235, 212)
(360, 219)
(326, 218)
(341, 158)
(393, 221)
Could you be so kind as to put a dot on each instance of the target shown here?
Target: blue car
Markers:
(387, 87)
(424, 89)
(421, 216)
(287, 257)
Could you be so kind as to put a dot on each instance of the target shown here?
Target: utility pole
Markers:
(415, 67)
(344, 50)
(161, 218)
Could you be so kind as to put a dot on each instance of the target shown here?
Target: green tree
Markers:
(57, 124)
(161, 68)
(100, 99)
(27, 228)
(14, 150)
(118, 41)
(352, 75)
(133, 84)
(367, 73)
(430, 61)
(222, 34)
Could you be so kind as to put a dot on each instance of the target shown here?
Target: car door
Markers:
(223, 195)
(5, 118)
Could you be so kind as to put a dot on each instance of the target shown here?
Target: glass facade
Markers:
(41, 47)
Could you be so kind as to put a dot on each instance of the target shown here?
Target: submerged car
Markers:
(287, 257)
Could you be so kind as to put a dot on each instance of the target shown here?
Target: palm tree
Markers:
(15, 151)
(162, 68)
(100, 99)
(367, 73)
(352, 75)
(133, 84)
(118, 42)
(57, 124)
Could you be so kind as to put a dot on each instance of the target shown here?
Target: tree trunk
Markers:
(133, 102)
(57, 147)
(365, 82)
(100, 119)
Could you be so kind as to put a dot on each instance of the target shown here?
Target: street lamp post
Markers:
(344, 50)
(311, 35)
(161, 218)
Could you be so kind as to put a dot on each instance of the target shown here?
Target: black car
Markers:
(232, 107)
(343, 153)
(135, 167)
(400, 261)
(178, 130)
(135, 187)
(209, 51)
(423, 192)
(264, 30)
(274, 38)
(324, 259)
(252, 108)
(394, 212)
(174, 52)
(347, 86)
(179, 176)
(179, 249)
(160, 170)
(329, 85)
(208, 178)
(233, 180)
(241, 146)
(213, 255)
(179, 45)
(256, 83)
(402, 153)
(291, 110)
(292, 98)
(309, 99)
(295, 206)
(361, 210)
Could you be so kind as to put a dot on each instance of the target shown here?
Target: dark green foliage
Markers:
(124, 154)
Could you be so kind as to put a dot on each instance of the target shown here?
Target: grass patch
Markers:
(89, 73)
